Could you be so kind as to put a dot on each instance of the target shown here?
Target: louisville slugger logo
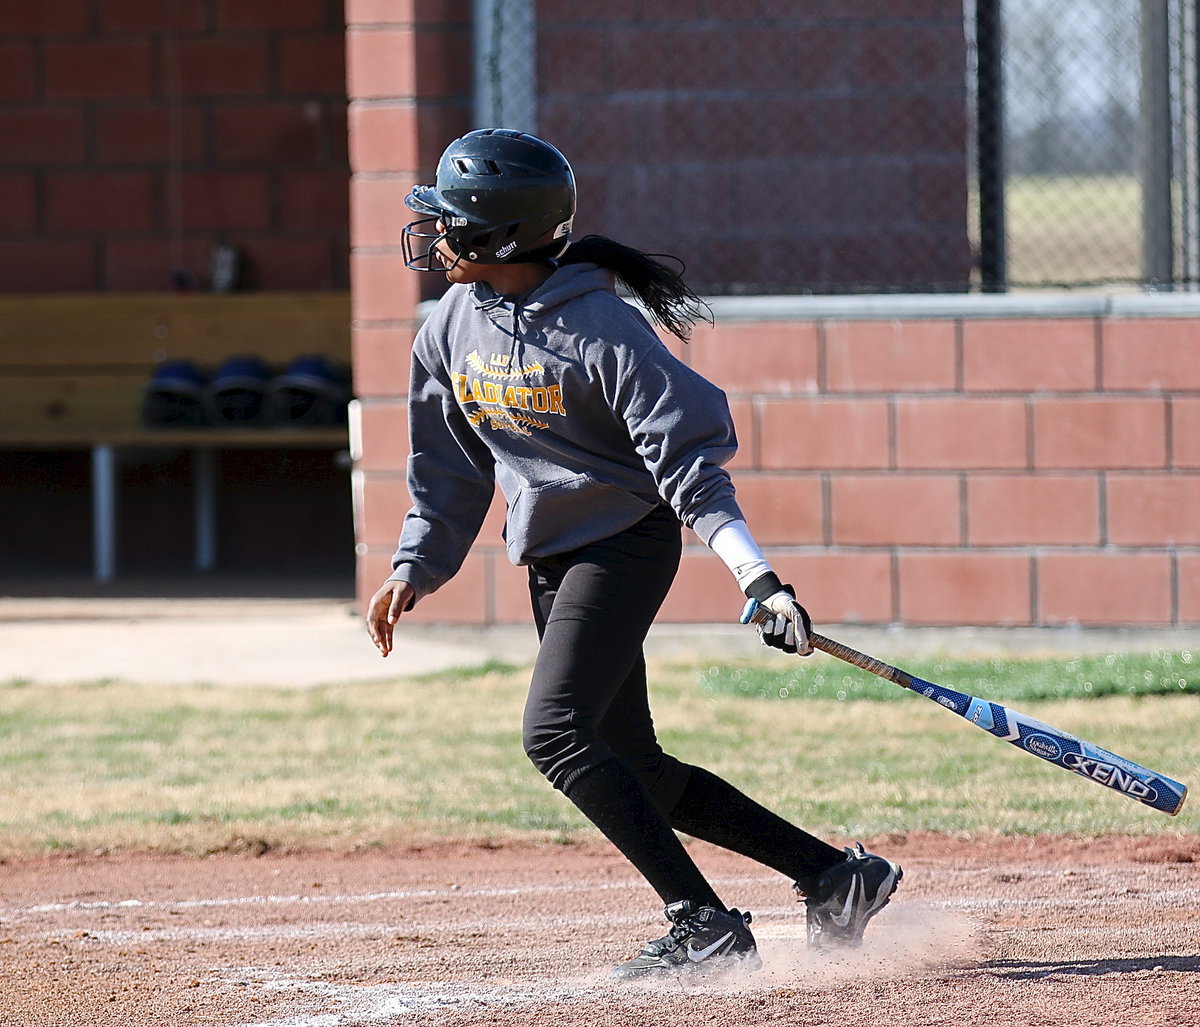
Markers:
(1044, 746)
(1107, 774)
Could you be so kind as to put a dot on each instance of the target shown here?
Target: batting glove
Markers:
(782, 622)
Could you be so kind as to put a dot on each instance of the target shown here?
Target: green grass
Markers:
(196, 769)
(1161, 672)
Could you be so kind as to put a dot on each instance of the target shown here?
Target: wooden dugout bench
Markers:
(73, 369)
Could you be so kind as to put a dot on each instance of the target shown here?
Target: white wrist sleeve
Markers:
(736, 547)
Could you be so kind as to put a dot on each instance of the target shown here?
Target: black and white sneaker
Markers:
(701, 939)
(841, 902)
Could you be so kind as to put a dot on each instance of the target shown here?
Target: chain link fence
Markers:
(918, 146)
(1094, 145)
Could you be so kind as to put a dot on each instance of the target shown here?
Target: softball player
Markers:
(532, 373)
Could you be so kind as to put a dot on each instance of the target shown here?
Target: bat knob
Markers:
(748, 610)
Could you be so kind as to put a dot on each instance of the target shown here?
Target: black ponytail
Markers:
(659, 288)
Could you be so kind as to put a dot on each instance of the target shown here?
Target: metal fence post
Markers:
(990, 145)
(1188, 171)
(1155, 146)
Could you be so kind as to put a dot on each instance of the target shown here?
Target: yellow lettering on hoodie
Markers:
(505, 397)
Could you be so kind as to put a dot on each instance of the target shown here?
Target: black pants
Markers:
(588, 727)
(588, 701)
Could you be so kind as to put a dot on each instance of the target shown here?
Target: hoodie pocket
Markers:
(561, 515)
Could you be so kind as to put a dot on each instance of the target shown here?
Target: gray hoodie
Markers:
(569, 401)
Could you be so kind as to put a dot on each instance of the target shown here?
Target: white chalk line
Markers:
(309, 900)
(339, 929)
(447, 891)
(374, 1003)
(387, 931)
(1167, 898)
(770, 922)
(338, 899)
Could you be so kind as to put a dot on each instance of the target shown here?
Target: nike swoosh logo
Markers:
(842, 919)
(696, 955)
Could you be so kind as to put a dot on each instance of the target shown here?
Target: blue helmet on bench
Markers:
(237, 393)
(174, 397)
(313, 390)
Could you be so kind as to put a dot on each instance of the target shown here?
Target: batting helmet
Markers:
(500, 197)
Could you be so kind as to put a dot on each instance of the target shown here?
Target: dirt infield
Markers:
(1018, 932)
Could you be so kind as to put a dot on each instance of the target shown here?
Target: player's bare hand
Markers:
(384, 610)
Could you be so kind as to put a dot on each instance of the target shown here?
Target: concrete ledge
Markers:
(957, 307)
(944, 306)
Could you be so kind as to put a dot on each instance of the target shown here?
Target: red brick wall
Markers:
(1015, 471)
(137, 134)
(1010, 472)
(409, 77)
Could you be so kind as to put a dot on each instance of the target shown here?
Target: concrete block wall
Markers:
(963, 470)
(138, 134)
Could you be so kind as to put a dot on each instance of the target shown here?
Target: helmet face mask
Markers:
(500, 197)
(421, 245)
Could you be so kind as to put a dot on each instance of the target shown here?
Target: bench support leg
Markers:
(204, 500)
(104, 512)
